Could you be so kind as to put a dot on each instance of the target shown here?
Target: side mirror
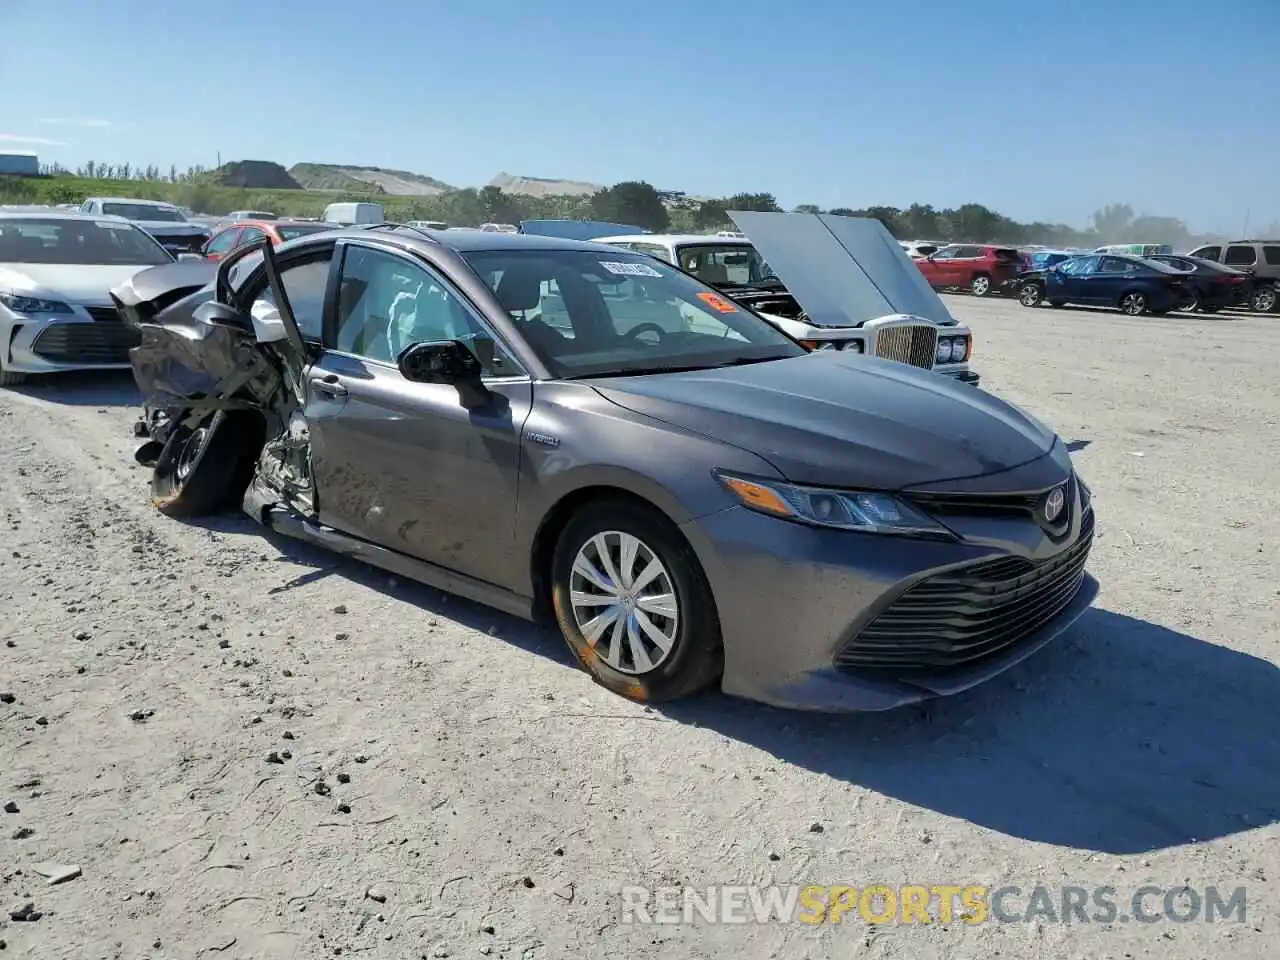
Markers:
(190, 258)
(221, 315)
(445, 361)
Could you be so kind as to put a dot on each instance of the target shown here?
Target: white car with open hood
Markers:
(56, 269)
(832, 282)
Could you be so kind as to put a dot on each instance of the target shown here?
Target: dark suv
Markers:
(1260, 258)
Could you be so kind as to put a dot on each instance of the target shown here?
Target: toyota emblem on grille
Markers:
(1054, 502)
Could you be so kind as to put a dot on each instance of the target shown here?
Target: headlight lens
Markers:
(951, 349)
(840, 509)
(816, 345)
(33, 304)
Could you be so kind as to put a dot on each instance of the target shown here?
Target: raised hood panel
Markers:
(843, 271)
(833, 420)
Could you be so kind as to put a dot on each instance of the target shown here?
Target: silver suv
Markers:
(1261, 258)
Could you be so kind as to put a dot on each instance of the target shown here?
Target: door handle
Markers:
(328, 386)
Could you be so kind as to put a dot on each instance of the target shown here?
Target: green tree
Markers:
(764, 202)
(1113, 221)
(632, 201)
(808, 208)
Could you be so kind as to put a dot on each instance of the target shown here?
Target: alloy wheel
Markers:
(981, 286)
(1264, 299)
(1029, 295)
(1134, 304)
(624, 602)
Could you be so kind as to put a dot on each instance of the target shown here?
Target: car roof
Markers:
(55, 214)
(463, 241)
(149, 203)
(677, 239)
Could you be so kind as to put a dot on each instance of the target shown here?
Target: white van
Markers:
(353, 213)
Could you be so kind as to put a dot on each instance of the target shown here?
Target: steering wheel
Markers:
(649, 334)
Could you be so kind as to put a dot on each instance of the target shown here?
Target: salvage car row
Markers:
(592, 435)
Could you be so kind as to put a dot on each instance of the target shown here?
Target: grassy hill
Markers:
(260, 174)
(396, 183)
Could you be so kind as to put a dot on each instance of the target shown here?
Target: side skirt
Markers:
(291, 524)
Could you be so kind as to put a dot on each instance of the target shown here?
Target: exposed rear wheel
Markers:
(1264, 299)
(202, 470)
(633, 603)
(980, 286)
(1189, 302)
(1030, 294)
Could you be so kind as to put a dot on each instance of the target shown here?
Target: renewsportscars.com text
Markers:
(943, 903)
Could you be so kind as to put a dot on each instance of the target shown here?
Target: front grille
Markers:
(86, 343)
(958, 617)
(913, 344)
(104, 314)
(1019, 506)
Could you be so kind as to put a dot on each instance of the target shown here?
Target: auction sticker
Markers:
(630, 269)
(717, 302)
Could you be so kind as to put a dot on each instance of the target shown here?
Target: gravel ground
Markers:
(448, 784)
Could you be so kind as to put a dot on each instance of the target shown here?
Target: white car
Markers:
(829, 301)
(55, 270)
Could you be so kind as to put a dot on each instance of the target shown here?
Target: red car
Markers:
(979, 268)
(241, 232)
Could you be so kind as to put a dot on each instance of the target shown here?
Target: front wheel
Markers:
(10, 378)
(201, 469)
(980, 286)
(633, 603)
(1264, 299)
(1134, 303)
(1030, 294)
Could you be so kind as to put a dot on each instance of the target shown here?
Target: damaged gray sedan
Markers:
(568, 430)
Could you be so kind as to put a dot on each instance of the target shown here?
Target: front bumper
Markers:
(794, 600)
(58, 344)
(964, 375)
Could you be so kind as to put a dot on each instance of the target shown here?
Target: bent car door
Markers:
(404, 463)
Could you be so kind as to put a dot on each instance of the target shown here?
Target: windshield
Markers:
(589, 314)
(302, 229)
(725, 263)
(143, 211)
(82, 242)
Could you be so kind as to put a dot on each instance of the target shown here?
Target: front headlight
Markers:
(951, 350)
(816, 345)
(868, 512)
(20, 304)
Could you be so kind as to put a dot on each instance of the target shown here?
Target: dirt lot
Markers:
(450, 785)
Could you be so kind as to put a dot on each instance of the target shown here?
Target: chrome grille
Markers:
(955, 618)
(86, 343)
(914, 344)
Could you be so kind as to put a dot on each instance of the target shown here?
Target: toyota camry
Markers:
(694, 501)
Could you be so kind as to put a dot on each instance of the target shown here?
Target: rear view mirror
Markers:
(221, 315)
(190, 258)
(445, 361)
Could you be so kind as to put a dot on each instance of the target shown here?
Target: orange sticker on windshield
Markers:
(717, 302)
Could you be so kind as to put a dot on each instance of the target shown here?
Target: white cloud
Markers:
(32, 141)
(78, 122)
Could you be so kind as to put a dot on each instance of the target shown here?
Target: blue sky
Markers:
(1039, 109)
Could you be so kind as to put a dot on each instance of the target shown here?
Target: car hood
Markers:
(172, 228)
(72, 282)
(843, 271)
(842, 421)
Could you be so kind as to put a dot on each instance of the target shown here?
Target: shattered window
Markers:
(305, 285)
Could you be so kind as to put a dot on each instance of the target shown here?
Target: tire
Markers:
(9, 378)
(1133, 303)
(980, 286)
(202, 471)
(1030, 294)
(1264, 299)
(1189, 303)
(694, 657)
